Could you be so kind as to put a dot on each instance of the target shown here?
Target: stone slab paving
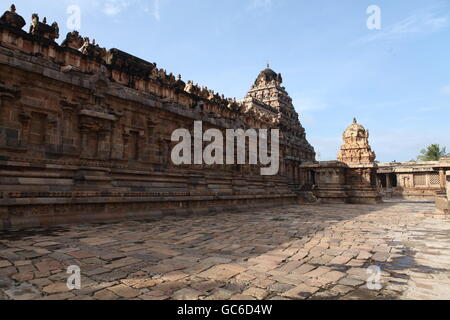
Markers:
(296, 252)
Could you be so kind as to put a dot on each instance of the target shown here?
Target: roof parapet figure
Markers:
(73, 40)
(42, 29)
(12, 18)
(93, 49)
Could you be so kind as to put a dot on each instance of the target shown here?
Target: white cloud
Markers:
(114, 7)
(156, 10)
(428, 109)
(260, 4)
(424, 22)
(445, 90)
(306, 103)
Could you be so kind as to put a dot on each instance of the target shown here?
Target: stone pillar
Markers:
(68, 129)
(442, 178)
(448, 185)
(104, 144)
(388, 181)
(84, 144)
(24, 119)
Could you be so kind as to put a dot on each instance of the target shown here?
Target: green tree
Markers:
(432, 153)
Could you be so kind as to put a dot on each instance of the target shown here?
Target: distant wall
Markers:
(411, 180)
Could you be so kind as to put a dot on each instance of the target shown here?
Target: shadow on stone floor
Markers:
(159, 249)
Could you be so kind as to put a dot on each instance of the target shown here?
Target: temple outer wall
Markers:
(85, 136)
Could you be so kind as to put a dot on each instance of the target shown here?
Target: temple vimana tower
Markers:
(351, 179)
(85, 134)
(356, 148)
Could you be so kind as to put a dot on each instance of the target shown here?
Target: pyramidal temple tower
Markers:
(268, 89)
(268, 100)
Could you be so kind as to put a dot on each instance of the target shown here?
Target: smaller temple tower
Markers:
(351, 179)
(356, 148)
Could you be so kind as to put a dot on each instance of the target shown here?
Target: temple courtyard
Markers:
(325, 251)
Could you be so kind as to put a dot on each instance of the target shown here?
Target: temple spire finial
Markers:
(12, 8)
(355, 121)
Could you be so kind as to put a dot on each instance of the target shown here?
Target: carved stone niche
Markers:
(96, 134)
(73, 40)
(42, 29)
(134, 143)
(68, 129)
(152, 123)
(164, 151)
(9, 130)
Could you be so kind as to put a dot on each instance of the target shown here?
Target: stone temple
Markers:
(350, 179)
(85, 135)
(86, 140)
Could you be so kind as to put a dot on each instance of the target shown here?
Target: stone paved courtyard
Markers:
(297, 252)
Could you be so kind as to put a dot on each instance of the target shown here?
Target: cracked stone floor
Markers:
(294, 252)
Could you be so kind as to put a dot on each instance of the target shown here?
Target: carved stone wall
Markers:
(85, 135)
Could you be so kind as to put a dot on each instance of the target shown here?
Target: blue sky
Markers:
(396, 80)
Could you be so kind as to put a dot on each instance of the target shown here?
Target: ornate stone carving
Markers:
(179, 84)
(42, 29)
(356, 148)
(128, 63)
(12, 18)
(268, 101)
(92, 49)
(73, 40)
(268, 76)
